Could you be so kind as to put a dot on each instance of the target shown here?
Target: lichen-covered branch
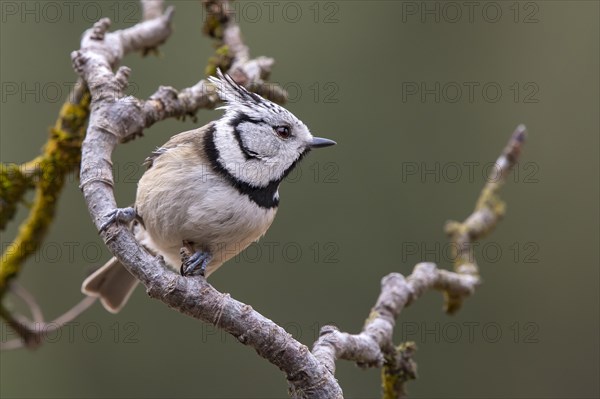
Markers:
(488, 211)
(233, 55)
(47, 173)
(398, 368)
(115, 119)
(310, 374)
(373, 347)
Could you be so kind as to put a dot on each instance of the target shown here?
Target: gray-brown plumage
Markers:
(212, 190)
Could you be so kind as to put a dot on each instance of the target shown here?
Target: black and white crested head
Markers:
(257, 142)
(235, 95)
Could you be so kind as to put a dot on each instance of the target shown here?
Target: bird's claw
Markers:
(195, 265)
(119, 215)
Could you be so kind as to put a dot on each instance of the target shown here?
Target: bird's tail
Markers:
(112, 283)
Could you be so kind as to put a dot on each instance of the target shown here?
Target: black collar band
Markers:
(265, 196)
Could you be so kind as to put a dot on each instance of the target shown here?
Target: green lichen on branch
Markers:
(14, 183)
(489, 210)
(372, 316)
(214, 26)
(398, 368)
(218, 25)
(221, 59)
(216, 18)
(61, 155)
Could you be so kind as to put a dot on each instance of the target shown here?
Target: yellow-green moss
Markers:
(397, 369)
(221, 59)
(61, 156)
(372, 316)
(13, 185)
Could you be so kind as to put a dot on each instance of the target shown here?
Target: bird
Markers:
(208, 193)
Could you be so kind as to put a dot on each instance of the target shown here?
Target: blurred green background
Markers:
(421, 97)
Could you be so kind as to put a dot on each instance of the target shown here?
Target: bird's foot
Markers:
(120, 215)
(194, 264)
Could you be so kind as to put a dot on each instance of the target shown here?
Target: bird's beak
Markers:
(318, 142)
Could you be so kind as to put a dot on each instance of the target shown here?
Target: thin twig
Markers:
(34, 308)
(31, 333)
(374, 345)
(488, 211)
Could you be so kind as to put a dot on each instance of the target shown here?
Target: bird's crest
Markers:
(233, 93)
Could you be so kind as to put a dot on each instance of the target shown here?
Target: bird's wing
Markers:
(190, 137)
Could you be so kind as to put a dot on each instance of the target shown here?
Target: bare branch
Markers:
(151, 9)
(34, 308)
(374, 344)
(32, 333)
(369, 347)
(116, 119)
(488, 212)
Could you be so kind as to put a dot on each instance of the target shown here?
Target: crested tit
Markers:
(211, 191)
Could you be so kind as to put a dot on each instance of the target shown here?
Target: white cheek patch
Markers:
(257, 172)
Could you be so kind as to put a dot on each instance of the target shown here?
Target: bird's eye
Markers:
(283, 131)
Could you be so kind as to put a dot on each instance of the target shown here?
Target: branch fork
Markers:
(115, 118)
